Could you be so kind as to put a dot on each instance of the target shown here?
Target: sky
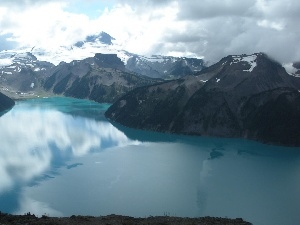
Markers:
(211, 29)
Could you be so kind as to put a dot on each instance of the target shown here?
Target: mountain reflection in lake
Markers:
(60, 156)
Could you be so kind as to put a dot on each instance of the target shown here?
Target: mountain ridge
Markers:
(102, 78)
(156, 66)
(239, 96)
(26, 72)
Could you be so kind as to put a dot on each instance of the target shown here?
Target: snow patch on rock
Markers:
(122, 103)
(290, 69)
(250, 59)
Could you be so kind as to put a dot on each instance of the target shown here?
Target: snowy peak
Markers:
(26, 56)
(156, 66)
(8, 58)
(293, 68)
(21, 72)
(102, 38)
(92, 44)
(243, 62)
(13, 62)
(246, 59)
(248, 74)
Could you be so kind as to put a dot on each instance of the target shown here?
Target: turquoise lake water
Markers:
(61, 157)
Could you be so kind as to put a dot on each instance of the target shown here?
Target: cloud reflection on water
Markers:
(29, 138)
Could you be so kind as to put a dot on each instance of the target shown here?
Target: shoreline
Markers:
(18, 95)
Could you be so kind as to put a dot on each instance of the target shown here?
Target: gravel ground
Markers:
(7, 219)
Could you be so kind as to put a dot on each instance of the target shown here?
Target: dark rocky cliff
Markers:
(249, 96)
(5, 103)
(101, 78)
(109, 61)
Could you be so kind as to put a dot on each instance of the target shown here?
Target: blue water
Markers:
(60, 156)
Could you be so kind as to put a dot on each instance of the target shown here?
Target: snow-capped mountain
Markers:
(14, 61)
(103, 38)
(158, 66)
(244, 96)
(153, 66)
(21, 72)
(101, 43)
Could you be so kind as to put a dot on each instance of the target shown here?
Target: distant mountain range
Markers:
(248, 96)
(24, 71)
(166, 67)
(153, 66)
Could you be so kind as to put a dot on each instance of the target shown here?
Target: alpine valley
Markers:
(243, 96)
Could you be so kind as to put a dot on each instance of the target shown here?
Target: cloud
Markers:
(212, 29)
(212, 9)
(25, 4)
(45, 25)
(149, 4)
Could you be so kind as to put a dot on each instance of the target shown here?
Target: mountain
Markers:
(21, 72)
(154, 66)
(5, 103)
(242, 96)
(166, 67)
(102, 37)
(102, 78)
(24, 71)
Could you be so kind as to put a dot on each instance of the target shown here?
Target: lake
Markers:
(61, 157)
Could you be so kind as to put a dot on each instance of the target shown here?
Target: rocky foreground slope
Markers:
(117, 220)
(248, 96)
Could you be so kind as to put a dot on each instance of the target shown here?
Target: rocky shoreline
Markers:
(31, 219)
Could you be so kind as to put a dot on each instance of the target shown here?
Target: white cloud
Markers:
(46, 24)
(139, 32)
(212, 29)
(273, 25)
